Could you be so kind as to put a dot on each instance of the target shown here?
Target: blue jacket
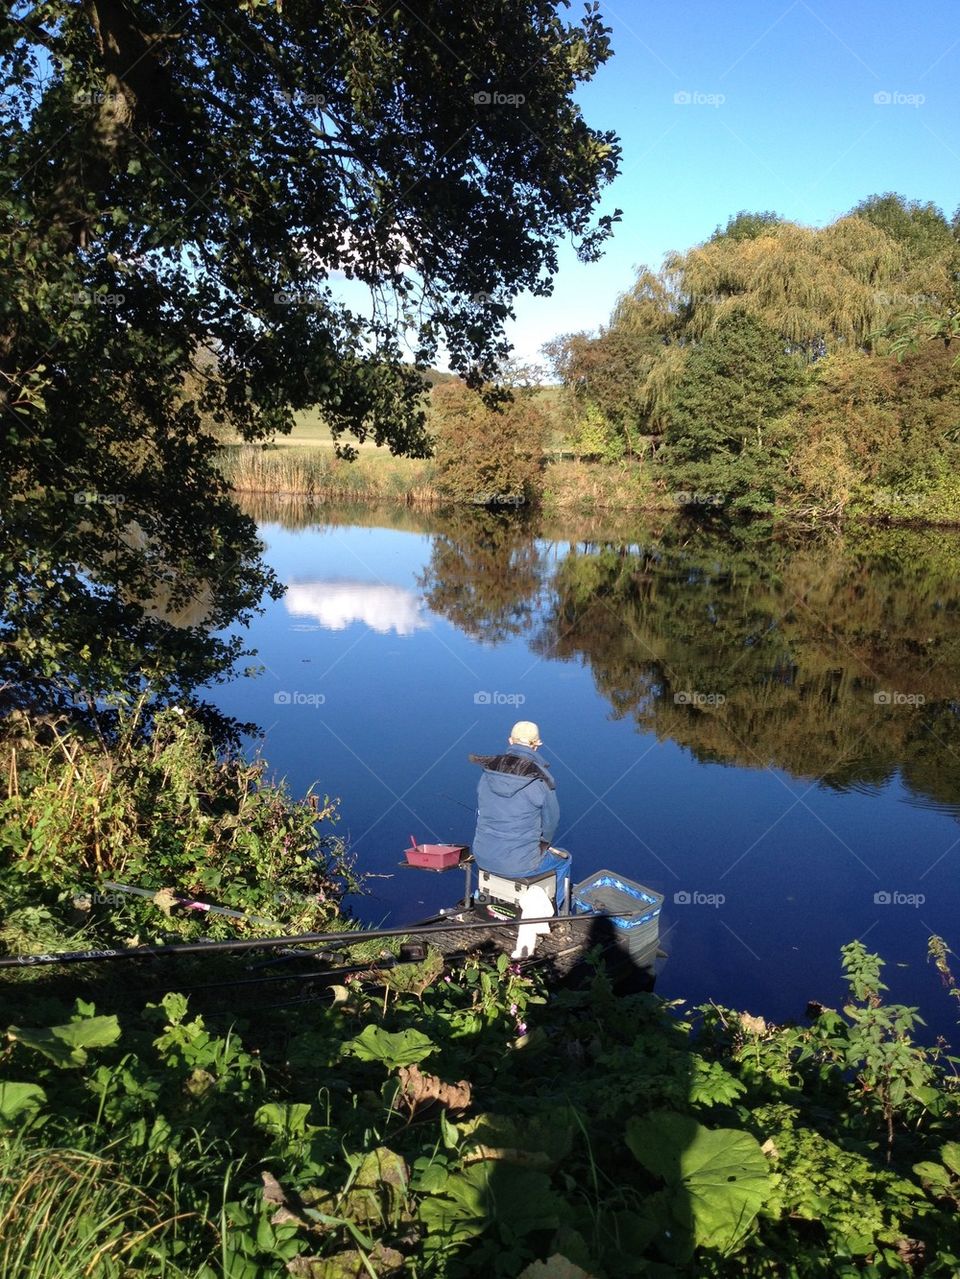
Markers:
(516, 809)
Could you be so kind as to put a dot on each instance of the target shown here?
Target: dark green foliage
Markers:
(181, 189)
(583, 1130)
(921, 228)
(721, 444)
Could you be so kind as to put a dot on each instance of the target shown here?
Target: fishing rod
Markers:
(286, 955)
(179, 899)
(471, 808)
(300, 939)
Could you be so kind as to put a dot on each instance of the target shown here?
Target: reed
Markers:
(319, 474)
(69, 1213)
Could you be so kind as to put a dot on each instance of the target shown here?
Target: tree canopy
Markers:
(699, 356)
(182, 190)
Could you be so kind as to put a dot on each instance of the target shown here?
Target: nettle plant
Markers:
(892, 1078)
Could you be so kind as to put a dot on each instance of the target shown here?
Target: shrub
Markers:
(488, 456)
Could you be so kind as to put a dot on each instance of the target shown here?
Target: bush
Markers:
(487, 456)
(871, 429)
(597, 438)
(163, 811)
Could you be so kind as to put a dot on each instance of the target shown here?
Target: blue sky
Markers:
(782, 115)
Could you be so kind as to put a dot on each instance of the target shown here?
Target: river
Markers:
(764, 728)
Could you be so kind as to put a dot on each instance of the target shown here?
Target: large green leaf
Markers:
(492, 1193)
(19, 1101)
(284, 1119)
(400, 1048)
(523, 1137)
(66, 1045)
(717, 1178)
(934, 1177)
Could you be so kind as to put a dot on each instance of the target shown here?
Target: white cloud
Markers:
(336, 605)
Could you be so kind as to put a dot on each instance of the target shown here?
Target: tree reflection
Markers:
(745, 647)
(485, 573)
(836, 658)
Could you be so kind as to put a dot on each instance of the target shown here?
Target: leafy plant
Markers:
(402, 1048)
(717, 1180)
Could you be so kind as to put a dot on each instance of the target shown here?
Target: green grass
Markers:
(68, 1213)
(310, 431)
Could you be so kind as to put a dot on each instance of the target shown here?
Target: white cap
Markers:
(525, 733)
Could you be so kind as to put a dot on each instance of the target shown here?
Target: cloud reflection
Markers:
(336, 605)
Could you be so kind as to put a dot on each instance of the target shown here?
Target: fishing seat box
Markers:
(606, 891)
(500, 888)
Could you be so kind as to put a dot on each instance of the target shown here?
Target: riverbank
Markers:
(198, 1118)
(313, 471)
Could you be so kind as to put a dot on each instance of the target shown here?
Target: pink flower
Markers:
(521, 1027)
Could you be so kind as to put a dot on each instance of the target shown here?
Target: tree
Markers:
(922, 229)
(871, 426)
(486, 454)
(627, 370)
(596, 438)
(818, 289)
(734, 385)
(182, 187)
(747, 226)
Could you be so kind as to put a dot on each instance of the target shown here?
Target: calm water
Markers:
(766, 731)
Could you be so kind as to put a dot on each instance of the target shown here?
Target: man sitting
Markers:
(517, 813)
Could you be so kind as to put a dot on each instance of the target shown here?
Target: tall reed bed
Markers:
(317, 472)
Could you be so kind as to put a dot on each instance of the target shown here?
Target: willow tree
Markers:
(183, 187)
(926, 302)
(818, 289)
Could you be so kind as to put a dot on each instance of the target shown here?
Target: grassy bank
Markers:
(205, 1120)
(570, 488)
(375, 476)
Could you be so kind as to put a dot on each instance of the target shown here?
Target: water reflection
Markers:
(335, 605)
(485, 574)
(834, 658)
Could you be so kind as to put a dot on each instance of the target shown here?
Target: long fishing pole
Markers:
(471, 808)
(271, 943)
(179, 899)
